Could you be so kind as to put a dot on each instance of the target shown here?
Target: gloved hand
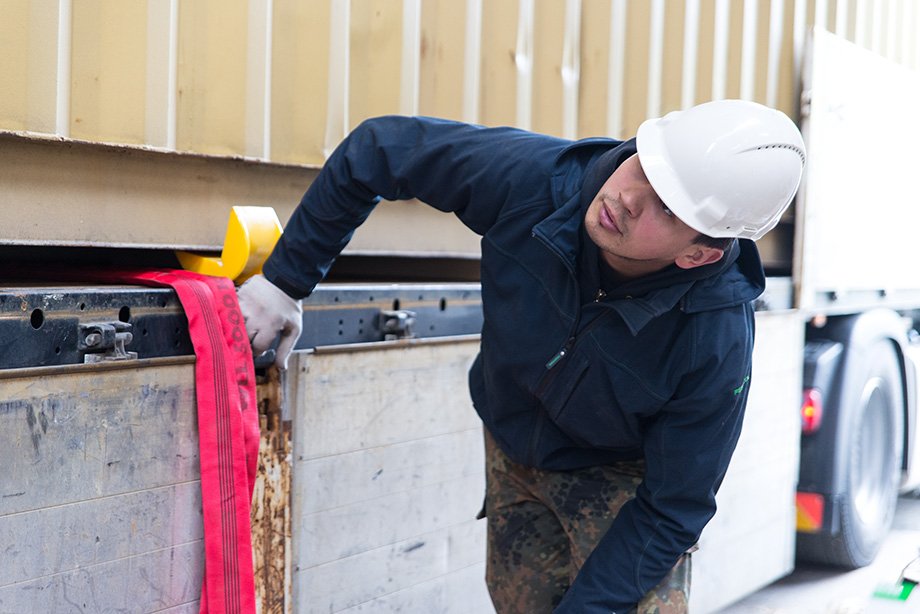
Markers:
(268, 310)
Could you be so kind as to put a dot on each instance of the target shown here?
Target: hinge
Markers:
(397, 324)
(105, 341)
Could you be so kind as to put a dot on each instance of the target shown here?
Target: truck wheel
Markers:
(870, 456)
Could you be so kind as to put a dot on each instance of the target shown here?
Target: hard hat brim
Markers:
(653, 158)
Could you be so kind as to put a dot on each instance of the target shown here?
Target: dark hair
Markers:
(722, 243)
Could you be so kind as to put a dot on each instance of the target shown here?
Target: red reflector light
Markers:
(812, 410)
(809, 512)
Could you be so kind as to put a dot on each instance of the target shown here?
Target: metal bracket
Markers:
(397, 324)
(105, 341)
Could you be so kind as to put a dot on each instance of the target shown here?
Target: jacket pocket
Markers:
(595, 403)
(559, 384)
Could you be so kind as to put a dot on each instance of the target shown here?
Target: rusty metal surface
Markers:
(271, 509)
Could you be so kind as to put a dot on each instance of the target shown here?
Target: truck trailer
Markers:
(142, 135)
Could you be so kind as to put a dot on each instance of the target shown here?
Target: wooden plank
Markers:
(467, 588)
(167, 579)
(462, 592)
(353, 400)
(375, 523)
(79, 436)
(388, 479)
(271, 502)
(340, 480)
(100, 490)
(64, 538)
(388, 569)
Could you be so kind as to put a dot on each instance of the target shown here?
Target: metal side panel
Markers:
(100, 499)
(337, 314)
(857, 214)
(45, 324)
(57, 192)
(387, 480)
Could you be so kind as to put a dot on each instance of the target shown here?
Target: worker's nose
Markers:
(633, 200)
(637, 197)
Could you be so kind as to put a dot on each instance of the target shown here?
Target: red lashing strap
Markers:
(228, 422)
(228, 432)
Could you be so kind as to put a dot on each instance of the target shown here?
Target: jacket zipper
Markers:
(559, 356)
(556, 358)
(570, 342)
(551, 374)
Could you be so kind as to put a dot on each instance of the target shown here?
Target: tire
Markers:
(869, 456)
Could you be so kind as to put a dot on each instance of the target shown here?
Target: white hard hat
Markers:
(727, 168)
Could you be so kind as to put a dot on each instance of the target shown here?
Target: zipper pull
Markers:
(561, 353)
(600, 294)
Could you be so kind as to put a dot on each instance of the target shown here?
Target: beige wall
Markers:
(284, 80)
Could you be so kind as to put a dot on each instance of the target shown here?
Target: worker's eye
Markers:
(667, 211)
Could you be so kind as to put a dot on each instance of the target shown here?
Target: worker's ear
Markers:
(698, 255)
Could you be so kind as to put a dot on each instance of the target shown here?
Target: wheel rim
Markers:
(870, 470)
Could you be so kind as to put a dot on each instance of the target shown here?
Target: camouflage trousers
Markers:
(544, 524)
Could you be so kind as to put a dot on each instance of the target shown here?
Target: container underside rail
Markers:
(63, 324)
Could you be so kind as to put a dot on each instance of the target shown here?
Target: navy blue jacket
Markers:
(658, 369)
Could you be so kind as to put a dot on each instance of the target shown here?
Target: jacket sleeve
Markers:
(469, 170)
(687, 449)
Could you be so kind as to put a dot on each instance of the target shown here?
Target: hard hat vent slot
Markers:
(781, 146)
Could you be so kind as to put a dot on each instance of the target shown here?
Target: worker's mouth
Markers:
(607, 219)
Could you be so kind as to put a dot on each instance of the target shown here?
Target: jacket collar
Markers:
(578, 167)
(735, 279)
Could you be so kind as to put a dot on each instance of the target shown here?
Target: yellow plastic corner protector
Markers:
(251, 235)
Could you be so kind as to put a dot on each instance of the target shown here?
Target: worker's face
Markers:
(636, 233)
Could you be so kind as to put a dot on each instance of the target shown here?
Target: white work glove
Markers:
(268, 310)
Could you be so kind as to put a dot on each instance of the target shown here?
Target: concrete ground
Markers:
(813, 590)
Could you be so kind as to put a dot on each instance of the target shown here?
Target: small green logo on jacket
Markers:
(741, 387)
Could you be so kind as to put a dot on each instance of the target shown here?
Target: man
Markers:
(617, 280)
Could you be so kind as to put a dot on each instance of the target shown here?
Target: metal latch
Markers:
(105, 341)
(397, 324)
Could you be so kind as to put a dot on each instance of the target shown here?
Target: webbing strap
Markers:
(228, 422)
(228, 432)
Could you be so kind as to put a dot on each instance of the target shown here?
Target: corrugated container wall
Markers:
(284, 80)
